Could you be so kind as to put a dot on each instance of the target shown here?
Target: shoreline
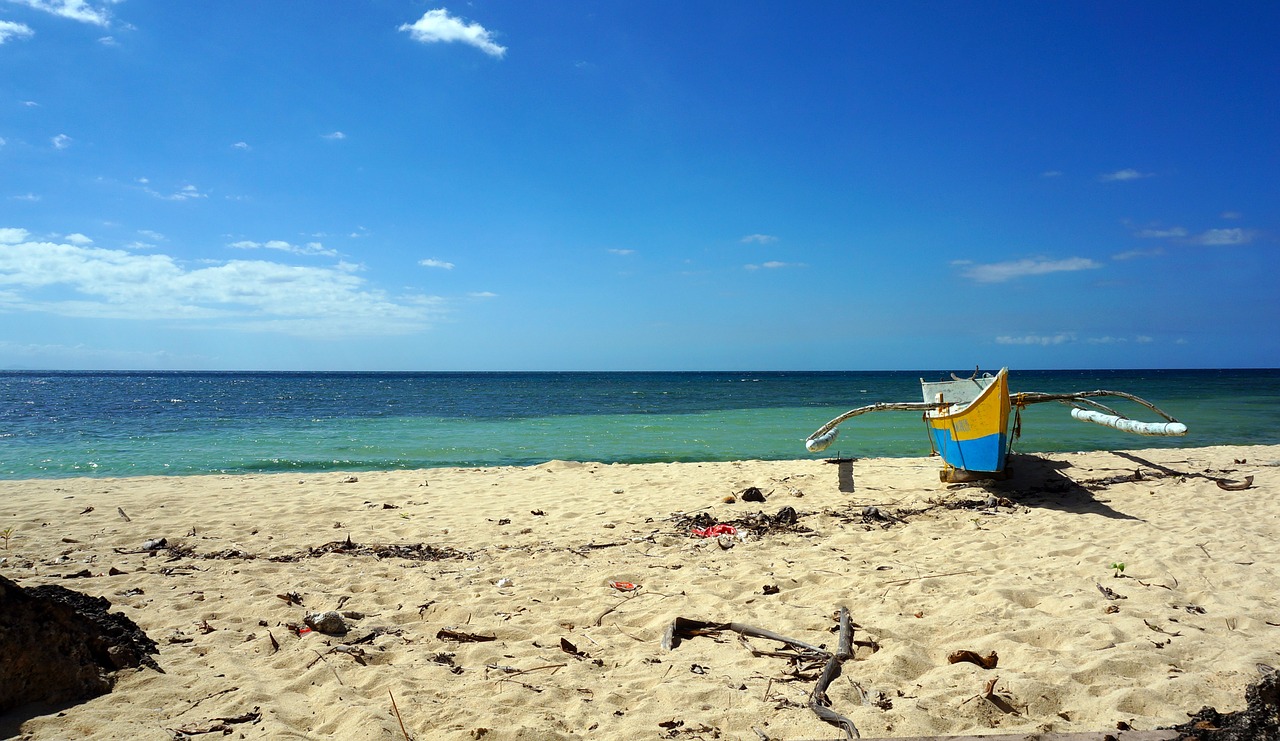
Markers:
(529, 554)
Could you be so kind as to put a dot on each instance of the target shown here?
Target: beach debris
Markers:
(291, 598)
(624, 586)
(537, 512)
(355, 652)
(448, 634)
(330, 622)
(752, 494)
(123, 515)
(155, 544)
(730, 499)
(349, 480)
(504, 582)
(573, 651)
(725, 542)
(770, 589)
(86, 510)
(715, 531)
(1109, 593)
(63, 646)
(1234, 485)
(217, 725)
(1158, 629)
(409, 551)
(986, 662)
(1003, 703)
(832, 662)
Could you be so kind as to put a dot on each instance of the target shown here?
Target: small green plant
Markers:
(7, 534)
(1119, 569)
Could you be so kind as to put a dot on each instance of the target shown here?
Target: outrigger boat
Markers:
(968, 421)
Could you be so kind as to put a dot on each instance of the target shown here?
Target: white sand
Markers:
(1201, 607)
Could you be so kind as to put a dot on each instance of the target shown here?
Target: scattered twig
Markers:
(122, 514)
(448, 634)
(396, 710)
(625, 600)
(206, 697)
(900, 582)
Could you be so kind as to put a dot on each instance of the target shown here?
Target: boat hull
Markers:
(975, 437)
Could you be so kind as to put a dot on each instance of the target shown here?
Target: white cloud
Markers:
(12, 30)
(1224, 236)
(1170, 233)
(1000, 272)
(13, 235)
(185, 193)
(95, 357)
(616, 251)
(774, 265)
(240, 145)
(82, 281)
(436, 26)
(78, 239)
(334, 136)
(1231, 214)
(1131, 254)
(76, 10)
(61, 141)
(1120, 175)
(759, 239)
(29, 197)
(310, 248)
(1035, 339)
(152, 235)
(430, 263)
(482, 294)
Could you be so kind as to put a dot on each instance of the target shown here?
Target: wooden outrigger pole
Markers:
(968, 419)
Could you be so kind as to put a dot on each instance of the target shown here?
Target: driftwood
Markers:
(1234, 486)
(819, 703)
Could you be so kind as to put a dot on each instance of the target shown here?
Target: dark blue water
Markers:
(56, 424)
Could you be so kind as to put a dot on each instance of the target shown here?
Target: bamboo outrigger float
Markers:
(968, 421)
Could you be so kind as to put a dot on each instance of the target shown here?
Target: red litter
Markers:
(624, 586)
(715, 530)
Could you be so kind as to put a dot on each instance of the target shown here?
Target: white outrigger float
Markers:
(968, 421)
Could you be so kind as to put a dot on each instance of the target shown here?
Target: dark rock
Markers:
(1259, 721)
(58, 645)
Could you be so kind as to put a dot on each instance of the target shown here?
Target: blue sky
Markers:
(398, 185)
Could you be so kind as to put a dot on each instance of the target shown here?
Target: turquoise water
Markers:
(56, 424)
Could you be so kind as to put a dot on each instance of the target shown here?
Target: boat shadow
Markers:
(1045, 484)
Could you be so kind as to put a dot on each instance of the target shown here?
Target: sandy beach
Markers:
(496, 603)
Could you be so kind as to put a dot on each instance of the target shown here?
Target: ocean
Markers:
(62, 424)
